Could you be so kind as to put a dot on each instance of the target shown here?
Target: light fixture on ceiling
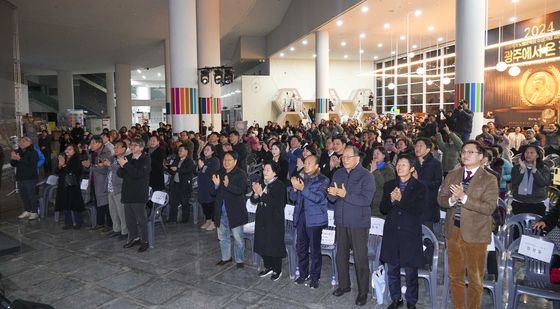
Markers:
(375, 57)
(281, 54)
(339, 23)
(304, 42)
(380, 45)
(514, 70)
(411, 55)
(139, 71)
(218, 76)
(228, 76)
(403, 37)
(417, 13)
(361, 51)
(387, 26)
(343, 43)
(440, 39)
(429, 82)
(446, 80)
(362, 35)
(159, 74)
(204, 76)
(414, 46)
(314, 55)
(391, 86)
(365, 9)
(292, 49)
(393, 52)
(345, 56)
(420, 71)
(143, 76)
(514, 1)
(431, 28)
(501, 66)
(513, 19)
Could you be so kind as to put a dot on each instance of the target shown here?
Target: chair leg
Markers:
(432, 282)
(334, 280)
(151, 236)
(512, 300)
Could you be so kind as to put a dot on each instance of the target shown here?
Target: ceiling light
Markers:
(304, 42)
(440, 39)
(515, 1)
(228, 76)
(501, 66)
(139, 71)
(431, 28)
(512, 19)
(314, 55)
(342, 43)
(204, 77)
(543, 50)
(380, 45)
(339, 23)
(361, 51)
(143, 76)
(292, 49)
(375, 57)
(429, 82)
(281, 54)
(403, 37)
(393, 52)
(514, 70)
(345, 56)
(446, 81)
(159, 74)
(218, 76)
(417, 12)
(420, 71)
(391, 86)
(411, 55)
(414, 46)
(362, 35)
(387, 26)
(365, 9)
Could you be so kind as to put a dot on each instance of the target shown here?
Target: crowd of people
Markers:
(403, 168)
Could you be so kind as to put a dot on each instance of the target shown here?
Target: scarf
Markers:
(380, 165)
(526, 185)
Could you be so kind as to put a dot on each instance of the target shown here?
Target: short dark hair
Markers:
(409, 158)
(123, 144)
(383, 152)
(97, 139)
(478, 145)
(311, 149)
(341, 138)
(274, 166)
(355, 150)
(234, 133)
(233, 154)
(296, 137)
(315, 157)
(426, 141)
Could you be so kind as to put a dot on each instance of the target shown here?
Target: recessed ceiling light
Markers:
(417, 12)
(159, 74)
(375, 57)
(314, 55)
(342, 43)
(281, 54)
(403, 37)
(144, 76)
(431, 28)
(139, 71)
(393, 52)
(387, 26)
(515, 1)
(304, 42)
(345, 56)
(512, 19)
(292, 49)
(380, 45)
(339, 23)
(362, 35)
(440, 39)
(365, 9)
(414, 46)
(362, 51)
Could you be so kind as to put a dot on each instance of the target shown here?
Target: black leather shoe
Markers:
(222, 263)
(410, 306)
(239, 265)
(395, 304)
(143, 246)
(340, 291)
(132, 243)
(361, 299)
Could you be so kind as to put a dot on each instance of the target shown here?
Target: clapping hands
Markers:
(396, 195)
(257, 188)
(336, 191)
(297, 183)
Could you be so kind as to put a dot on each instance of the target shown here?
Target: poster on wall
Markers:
(533, 95)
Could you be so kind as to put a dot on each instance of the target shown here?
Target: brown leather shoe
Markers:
(132, 243)
(143, 246)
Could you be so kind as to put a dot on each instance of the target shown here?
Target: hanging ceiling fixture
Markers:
(500, 66)
(391, 86)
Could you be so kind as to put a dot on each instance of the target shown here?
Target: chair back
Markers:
(427, 234)
(535, 270)
(524, 225)
(52, 180)
(150, 192)
(289, 228)
(439, 226)
(251, 210)
(375, 238)
(160, 199)
(328, 234)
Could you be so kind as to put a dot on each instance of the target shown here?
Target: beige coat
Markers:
(476, 214)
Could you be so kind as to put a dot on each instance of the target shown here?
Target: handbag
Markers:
(70, 180)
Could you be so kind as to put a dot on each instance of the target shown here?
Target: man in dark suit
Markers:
(469, 194)
(429, 173)
(240, 149)
(24, 159)
(352, 189)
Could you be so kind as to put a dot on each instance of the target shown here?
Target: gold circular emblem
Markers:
(540, 88)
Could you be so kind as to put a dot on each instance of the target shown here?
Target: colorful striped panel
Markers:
(210, 105)
(321, 106)
(184, 101)
(472, 93)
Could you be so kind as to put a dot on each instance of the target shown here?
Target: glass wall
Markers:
(423, 83)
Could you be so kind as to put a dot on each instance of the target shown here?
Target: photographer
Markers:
(24, 159)
(463, 118)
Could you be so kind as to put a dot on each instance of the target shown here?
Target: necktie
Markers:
(469, 177)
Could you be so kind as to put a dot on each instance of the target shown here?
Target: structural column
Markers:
(111, 112)
(184, 74)
(124, 96)
(65, 84)
(208, 34)
(469, 57)
(167, 82)
(321, 76)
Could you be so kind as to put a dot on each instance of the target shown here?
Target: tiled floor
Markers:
(84, 269)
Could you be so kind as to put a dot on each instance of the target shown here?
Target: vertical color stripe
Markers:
(472, 93)
(184, 101)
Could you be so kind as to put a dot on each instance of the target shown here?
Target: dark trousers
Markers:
(47, 167)
(273, 262)
(309, 242)
(28, 194)
(179, 196)
(72, 217)
(136, 221)
(354, 239)
(103, 216)
(394, 282)
(208, 209)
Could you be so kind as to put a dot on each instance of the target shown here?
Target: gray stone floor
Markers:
(84, 269)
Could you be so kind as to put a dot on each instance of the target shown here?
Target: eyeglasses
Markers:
(469, 152)
(347, 157)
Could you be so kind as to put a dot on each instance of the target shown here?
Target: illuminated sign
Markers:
(534, 49)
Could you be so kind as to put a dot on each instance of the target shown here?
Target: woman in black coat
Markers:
(404, 203)
(68, 194)
(157, 155)
(208, 165)
(270, 197)
(278, 152)
(182, 172)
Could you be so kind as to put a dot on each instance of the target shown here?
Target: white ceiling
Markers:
(90, 36)
(440, 14)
